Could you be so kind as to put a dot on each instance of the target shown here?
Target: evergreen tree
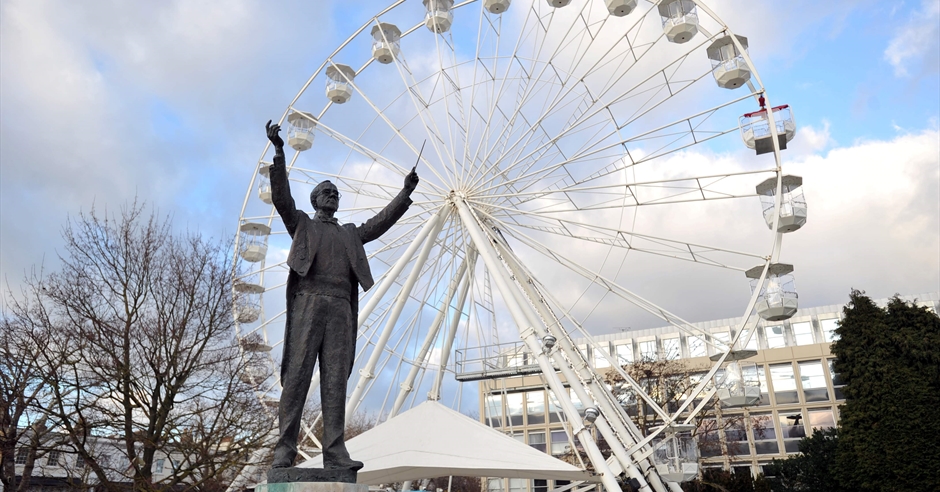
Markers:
(889, 360)
(813, 470)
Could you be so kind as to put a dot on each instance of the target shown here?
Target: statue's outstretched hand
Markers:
(273, 136)
(411, 180)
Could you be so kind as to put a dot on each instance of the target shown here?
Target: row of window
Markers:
(761, 432)
(672, 347)
(789, 383)
(750, 433)
(56, 458)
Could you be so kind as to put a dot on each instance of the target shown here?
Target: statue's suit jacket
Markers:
(304, 248)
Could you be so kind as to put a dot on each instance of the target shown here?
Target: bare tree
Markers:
(25, 430)
(142, 316)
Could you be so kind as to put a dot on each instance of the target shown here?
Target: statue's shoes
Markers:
(343, 464)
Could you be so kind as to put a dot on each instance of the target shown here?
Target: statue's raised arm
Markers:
(280, 187)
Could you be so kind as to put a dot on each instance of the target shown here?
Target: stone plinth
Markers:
(312, 487)
(295, 474)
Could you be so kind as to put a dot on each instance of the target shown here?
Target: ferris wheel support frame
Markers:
(435, 393)
(408, 385)
(613, 420)
(366, 374)
(528, 335)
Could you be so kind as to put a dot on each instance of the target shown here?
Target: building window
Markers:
(586, 353)
(80, 462)
(494, 485)
(837, 383)
(601, 362)
(784, 384)
(829, 329)
(791, 428)
(537, 440)
(493, 410)
(765, 433)
(624, 353)
(514, 409)
(516, 360)
(671, 348)
(22, 455)
(535, 407)
(539, 485)
(561, 483)
(736, 435)
(648, 350)
(820, 419)
(53, 458)
(559, 442)
(803, 333)
(752, 343)
(709, 442)
(697, 346)
(694, 380)
(517, 484)
(749, 373)
(158, 465)
(555, 413)
(776, 338)
(813, 381)
(724, 340)
(578, 405)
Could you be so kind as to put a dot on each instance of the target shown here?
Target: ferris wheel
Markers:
(582, 165)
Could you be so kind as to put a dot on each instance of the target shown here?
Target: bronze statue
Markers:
(327, 265)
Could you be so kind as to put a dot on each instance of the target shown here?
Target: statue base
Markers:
(314, 476)
(311, 487)
(293, 479)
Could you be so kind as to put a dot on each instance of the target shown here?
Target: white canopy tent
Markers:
(431, 441)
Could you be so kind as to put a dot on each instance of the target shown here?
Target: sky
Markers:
(103, 101)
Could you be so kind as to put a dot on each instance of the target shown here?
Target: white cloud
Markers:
(874, 218)
(917, 43)
(812, 140)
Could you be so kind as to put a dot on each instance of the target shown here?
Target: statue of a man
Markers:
(327, 265)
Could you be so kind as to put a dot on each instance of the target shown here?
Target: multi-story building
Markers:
(800, 391)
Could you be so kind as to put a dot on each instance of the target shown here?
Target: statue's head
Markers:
(325, 197)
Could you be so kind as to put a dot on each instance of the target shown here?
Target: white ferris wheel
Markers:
(582, 167)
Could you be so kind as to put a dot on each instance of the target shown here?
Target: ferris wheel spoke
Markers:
(421, 105)
(377, 157)
(620, 164)
(482, 36)
(450, 85)
(677, 249)
(606, 107)
(598, 279)
(401, 135)
(495, 94)
(525, 89)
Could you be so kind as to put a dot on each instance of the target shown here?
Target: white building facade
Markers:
(800, 392)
